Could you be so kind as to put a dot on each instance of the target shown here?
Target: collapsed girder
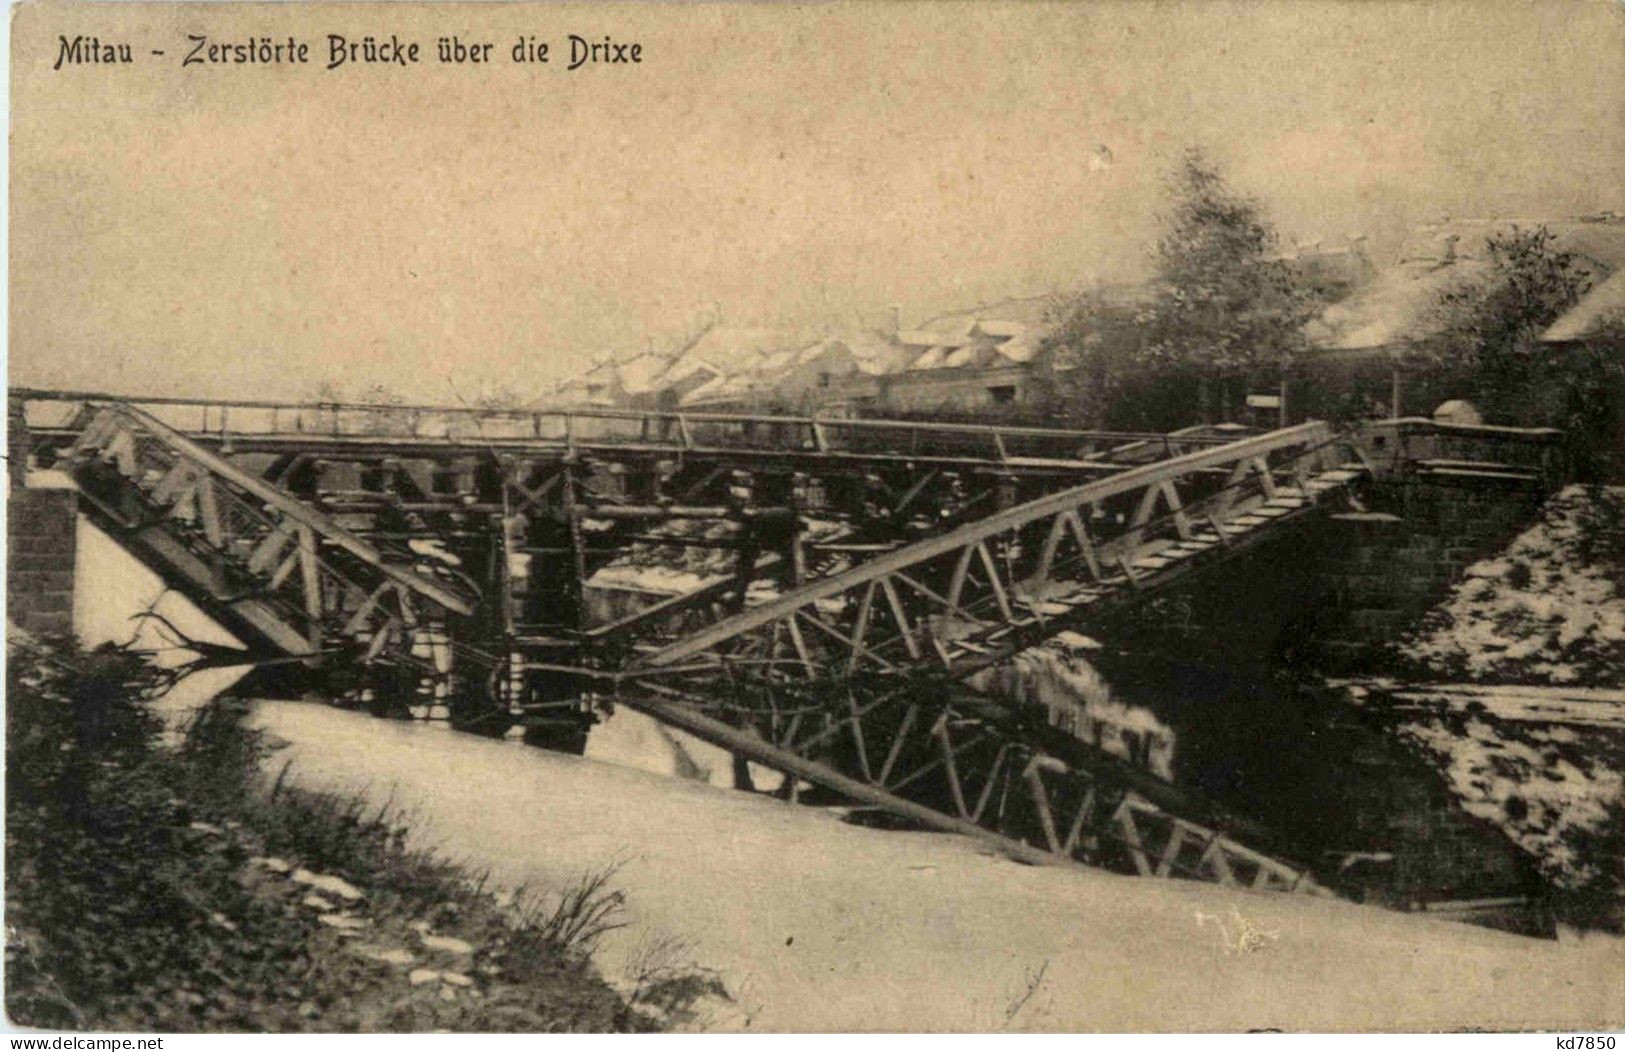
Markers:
(830, 672)
(281, 574)
(959, 547)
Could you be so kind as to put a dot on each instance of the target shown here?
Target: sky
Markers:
(443, 231)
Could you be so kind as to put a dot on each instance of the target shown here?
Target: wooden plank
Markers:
(800, 645)
(862, 626)
(956, 584)
(1080, 535)
(992, 779)
(534, 496)
(920, 588)
(856, 723)
(940, 731)
(927, 768)
(403, 600)
(1266, 478)
(914, 491)
(1085, 810)
(310, 576)
(358, 620)
(1046, 555)
(120, 450)
(1215, 861)
(992, 571)
(380, 639)
(1131, 837)
(284, 571)
(1182, 522)
(1170, 850)
(813, 620)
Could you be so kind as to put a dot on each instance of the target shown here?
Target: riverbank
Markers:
(819, 925)
(160, 882)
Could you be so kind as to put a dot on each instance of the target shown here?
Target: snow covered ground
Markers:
(1545, 764)
(820, 925)
(1529, 725)
(1550, 608)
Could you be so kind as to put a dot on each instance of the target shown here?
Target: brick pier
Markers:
(41, 550)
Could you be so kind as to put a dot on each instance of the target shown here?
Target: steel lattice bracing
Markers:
(959, 546)
(830, 672)
(278, 572)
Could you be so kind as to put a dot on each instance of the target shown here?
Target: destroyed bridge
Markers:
(387, 554)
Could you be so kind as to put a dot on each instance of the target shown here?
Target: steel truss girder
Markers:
(962, 600)
(292, 577)
(972, 598)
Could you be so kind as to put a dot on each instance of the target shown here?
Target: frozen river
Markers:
(821, 925)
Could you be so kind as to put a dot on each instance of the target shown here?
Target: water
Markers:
(817, 924)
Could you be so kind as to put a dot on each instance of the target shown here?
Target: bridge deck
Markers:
(837, 680)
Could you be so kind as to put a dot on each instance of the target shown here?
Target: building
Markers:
(1373, 329)
(981, 357)
(728, 367)
(1598, 316)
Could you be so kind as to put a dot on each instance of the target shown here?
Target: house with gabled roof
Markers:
(1588, 319)
(726, 366)
(1377, 325)
(965, 359)
(1599, 316)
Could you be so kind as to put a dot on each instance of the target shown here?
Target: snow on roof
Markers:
(1013, 328)
(1022, 347)
(725, 351)
(1586, 317)
(1395, 306)
(641, 373)
(963, 357)
(934, 337)
(1440, 256)
(775, 362)
(814, 351)
(1001, 328)
(721, 389)
(875, 355)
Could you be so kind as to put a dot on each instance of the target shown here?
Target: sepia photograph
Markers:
(777, 518)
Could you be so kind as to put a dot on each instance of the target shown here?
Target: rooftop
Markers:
(1397, 305)
(1586, 317)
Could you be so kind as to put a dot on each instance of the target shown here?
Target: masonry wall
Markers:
(41, 526)
(1380, 570)
(1345, 793)
(1390, 801)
